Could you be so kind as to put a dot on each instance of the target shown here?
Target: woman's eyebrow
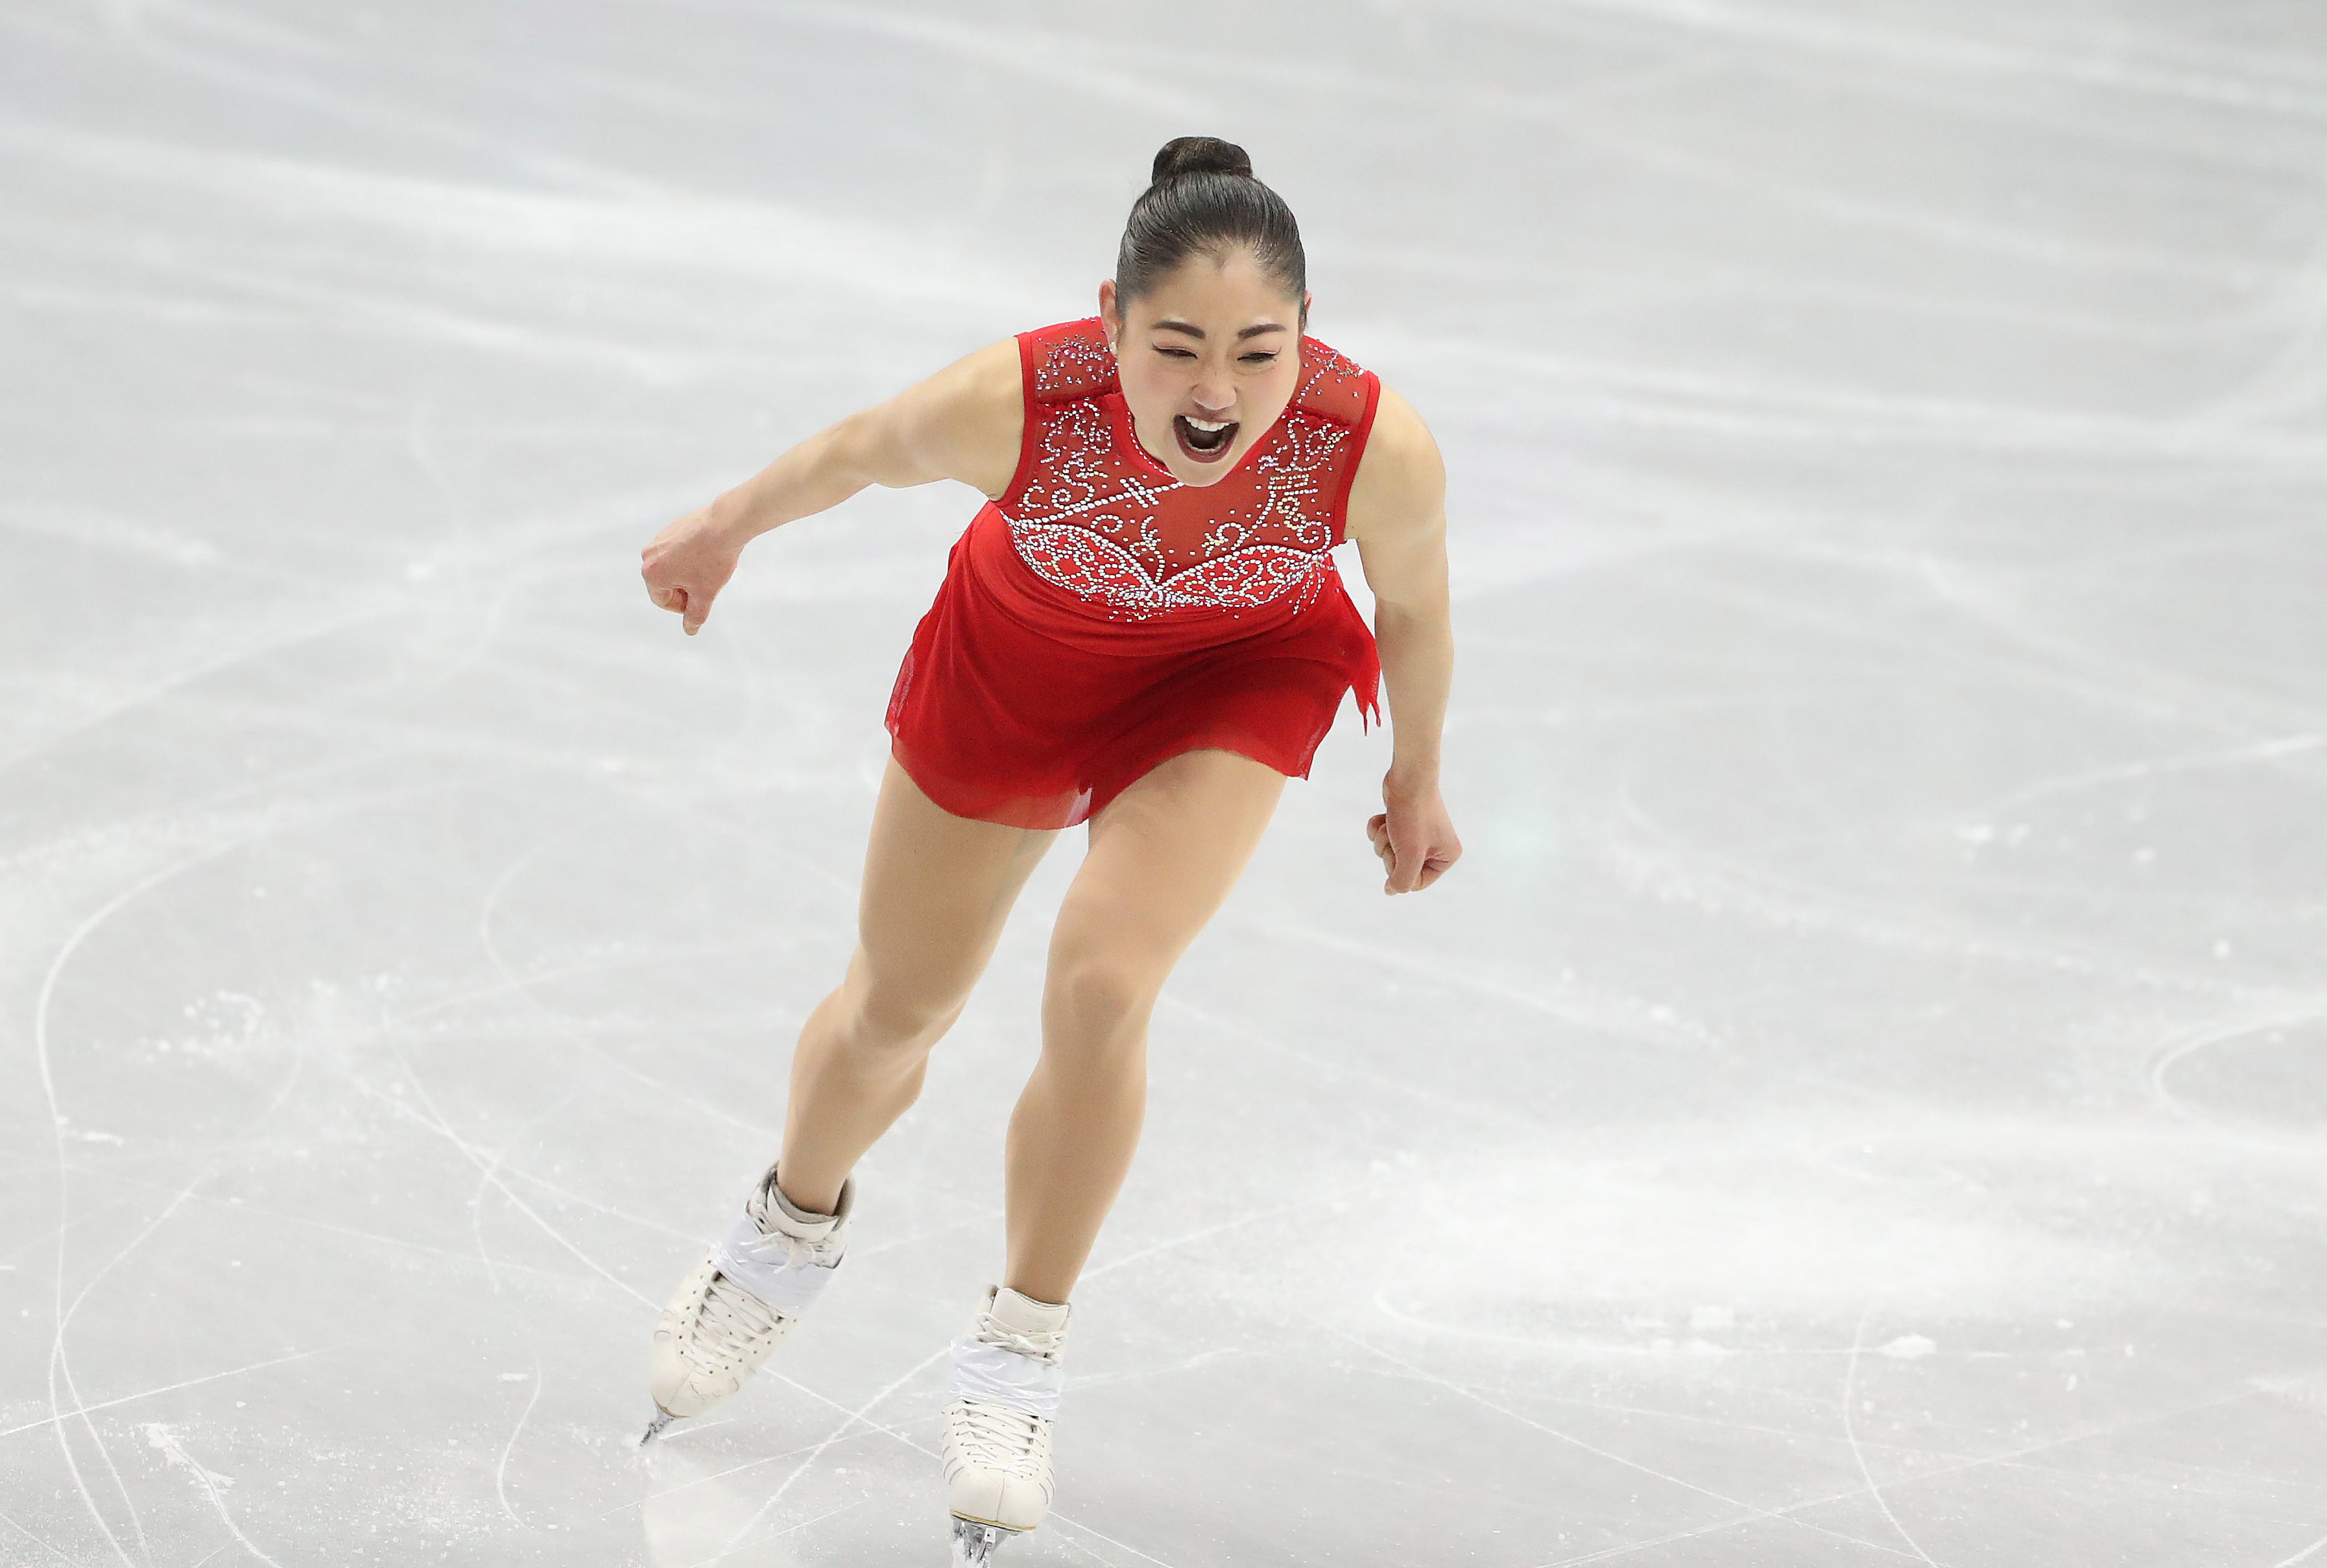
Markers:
(1193, 331)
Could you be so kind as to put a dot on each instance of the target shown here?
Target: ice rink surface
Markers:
(1859, 1102)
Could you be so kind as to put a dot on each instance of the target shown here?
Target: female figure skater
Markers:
(1141, 629)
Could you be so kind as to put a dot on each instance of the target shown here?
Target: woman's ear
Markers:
(1109, 322)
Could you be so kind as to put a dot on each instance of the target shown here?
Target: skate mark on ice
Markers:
(792, 1529)
(95, 1211)
(1178, 1241)
(2068, 783)
(500, 1470)
(1662, 863)
(1624, 1017)
(2304, 1555)
(1155, 1370)
(1599, 1349)
(521, 987)
(208, 664)
(57, 1359)
(2309, 1012)
(1602, 1348)
(60, 1365)
(1850, 1431)
(872, 1429)
(895, 1242)
(43, 1541)
(444, 1127)
(1340, 1068)
(1058, 1519)
(607, 1209)
(1451, 1386)
(696, 1426)
(1858, 1493)
(162, 1438)
(177, 1200)
(1038, 55)
(806, 1462)
(370, 1238)
(486, 1176)
(2222, 79)
(2104, 676)
(170, 1388)
(444, 1131)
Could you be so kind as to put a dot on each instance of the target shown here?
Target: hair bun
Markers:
(1200, 155)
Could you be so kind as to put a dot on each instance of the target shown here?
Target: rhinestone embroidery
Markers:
(1072, 361)
(1136, 544)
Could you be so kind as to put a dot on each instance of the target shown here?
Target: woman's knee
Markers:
(1100, 998)
(894, 1015)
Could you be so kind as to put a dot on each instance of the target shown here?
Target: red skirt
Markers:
(1020, 704)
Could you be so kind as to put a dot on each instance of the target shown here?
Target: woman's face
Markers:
(1209, 359)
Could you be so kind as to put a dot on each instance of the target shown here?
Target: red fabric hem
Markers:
(1053, 814)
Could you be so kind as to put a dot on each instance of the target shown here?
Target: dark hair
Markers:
(1202, 199)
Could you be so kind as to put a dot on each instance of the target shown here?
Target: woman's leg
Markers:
(937, 889)
(1164, 856)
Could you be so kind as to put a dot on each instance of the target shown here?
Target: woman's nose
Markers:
(1212, 391)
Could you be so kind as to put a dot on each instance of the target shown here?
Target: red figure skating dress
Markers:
(1102, 617)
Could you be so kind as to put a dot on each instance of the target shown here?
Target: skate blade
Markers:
(974, 1542)
(662, 1418)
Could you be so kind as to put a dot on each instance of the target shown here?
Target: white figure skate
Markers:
(1005, 1384)
(744, 1296)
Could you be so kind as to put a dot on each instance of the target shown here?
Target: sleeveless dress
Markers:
(1102, 617)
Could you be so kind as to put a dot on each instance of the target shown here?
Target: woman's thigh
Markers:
(1164, 856)
(937, 889)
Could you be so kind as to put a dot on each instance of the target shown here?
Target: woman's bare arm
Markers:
(1398, 516)
(963, 423)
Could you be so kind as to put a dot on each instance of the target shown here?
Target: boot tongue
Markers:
(1025, 1314)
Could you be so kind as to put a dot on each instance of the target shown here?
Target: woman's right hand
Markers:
(688, 563)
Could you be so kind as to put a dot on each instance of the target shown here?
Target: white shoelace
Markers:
(733, 1317)
(786, 1251)
(997, 1438)
(1041, 1345)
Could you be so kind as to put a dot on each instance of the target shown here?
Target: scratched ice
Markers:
(1861, 1102)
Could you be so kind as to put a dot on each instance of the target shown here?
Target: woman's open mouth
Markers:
(1204, 440)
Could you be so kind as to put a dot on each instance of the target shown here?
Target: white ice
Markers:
(1860, 1101)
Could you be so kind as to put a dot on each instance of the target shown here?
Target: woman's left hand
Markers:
(1415, 838)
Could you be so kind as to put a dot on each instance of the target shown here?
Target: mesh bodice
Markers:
(1090, 512)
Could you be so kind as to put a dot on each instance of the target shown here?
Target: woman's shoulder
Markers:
(1067, 359)
(1335, 387)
